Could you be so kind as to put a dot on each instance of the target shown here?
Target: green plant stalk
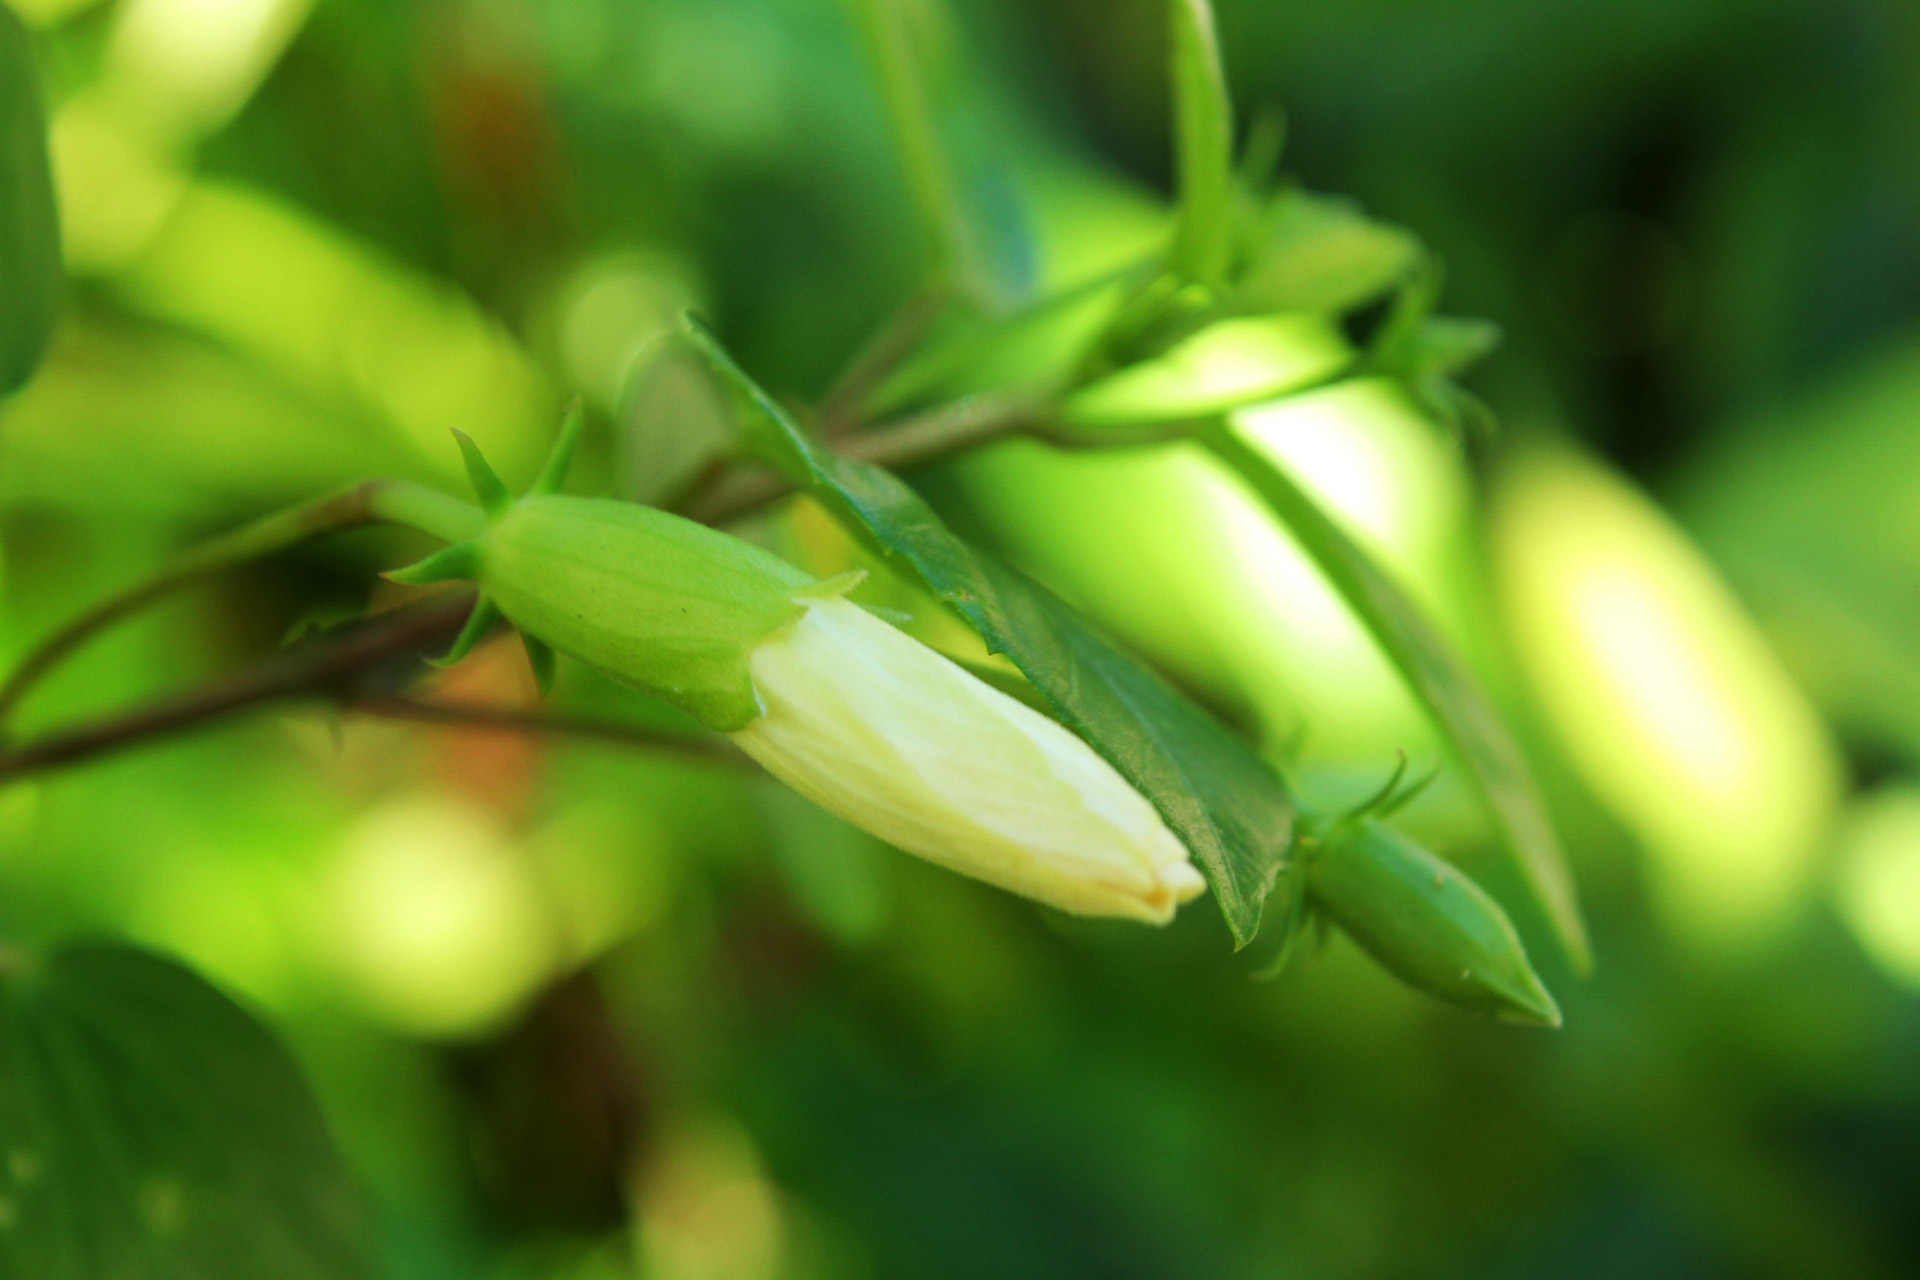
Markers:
(1203, 147)
(1452, 696)
(371, 501)
(930, 178)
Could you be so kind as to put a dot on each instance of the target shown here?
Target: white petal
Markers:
(873, 725)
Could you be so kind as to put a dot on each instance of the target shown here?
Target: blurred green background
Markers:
(583, 1011)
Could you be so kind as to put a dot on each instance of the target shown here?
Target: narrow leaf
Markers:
(1230, 809)
(1441, 680)
(152, 1129)
(485, 614)
(1318, 253)
(1203, 146)
(493, 495)
(540, 657)
(30, 267)
(448, 564)
(553, 473)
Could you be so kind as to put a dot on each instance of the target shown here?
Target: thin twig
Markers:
(712, 749)
(902, 445)
(335, 669)
(363, 503)
(930, 437)
(840, 408)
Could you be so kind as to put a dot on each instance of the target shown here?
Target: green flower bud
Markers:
(851, 712)
(1426, 922)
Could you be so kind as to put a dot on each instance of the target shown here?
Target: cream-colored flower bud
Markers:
(876, 727)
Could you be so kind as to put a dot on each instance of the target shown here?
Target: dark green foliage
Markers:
(30, 271)
(152, 1130)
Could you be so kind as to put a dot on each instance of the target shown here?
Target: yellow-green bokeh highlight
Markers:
(1164, 546)
(435, 917)
(1877, 886)
(1665, 696)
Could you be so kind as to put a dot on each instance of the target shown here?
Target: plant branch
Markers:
(363, 503)
(484, 717)
(929, 437)
(840, 408)
(336, 669)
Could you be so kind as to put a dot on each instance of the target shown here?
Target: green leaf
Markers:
(1227, 805)
(1203, 147)
(1446, 345)
(1317, 253)
(151, 1130)
(1441, 680)
(30, 268)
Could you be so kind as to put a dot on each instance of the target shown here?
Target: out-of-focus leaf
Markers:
(1305, 253)
(1231, 810)
(1037, 345)
(154, 1131)
(30, 270)
(1461, 709)
(673, 426)
(1317, 253)
(1203, 147)
(1446, 345)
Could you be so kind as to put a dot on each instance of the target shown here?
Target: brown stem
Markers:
(482, 717)
(840, 409)
(363, 503)
(901, 445)
(331, 669)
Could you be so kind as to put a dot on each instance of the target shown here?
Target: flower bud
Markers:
(873, 725)
(1426, 922)
(849, 711)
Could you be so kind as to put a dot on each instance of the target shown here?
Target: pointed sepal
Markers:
(479, 622)
(553, 472)
(493, 495)
(541, 657)
(461, 560)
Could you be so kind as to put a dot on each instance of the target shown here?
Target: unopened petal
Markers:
(876, 727)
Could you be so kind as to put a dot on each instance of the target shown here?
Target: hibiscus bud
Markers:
(849, 711)
(873, 725)
(1426, 922)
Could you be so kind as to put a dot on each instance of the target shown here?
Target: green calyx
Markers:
(463, 560)
(650, 599)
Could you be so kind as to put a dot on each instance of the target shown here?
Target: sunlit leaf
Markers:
(152, 1130)
(1231, 810)
(30, 271)
(1461, 709)
(1203, 146)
